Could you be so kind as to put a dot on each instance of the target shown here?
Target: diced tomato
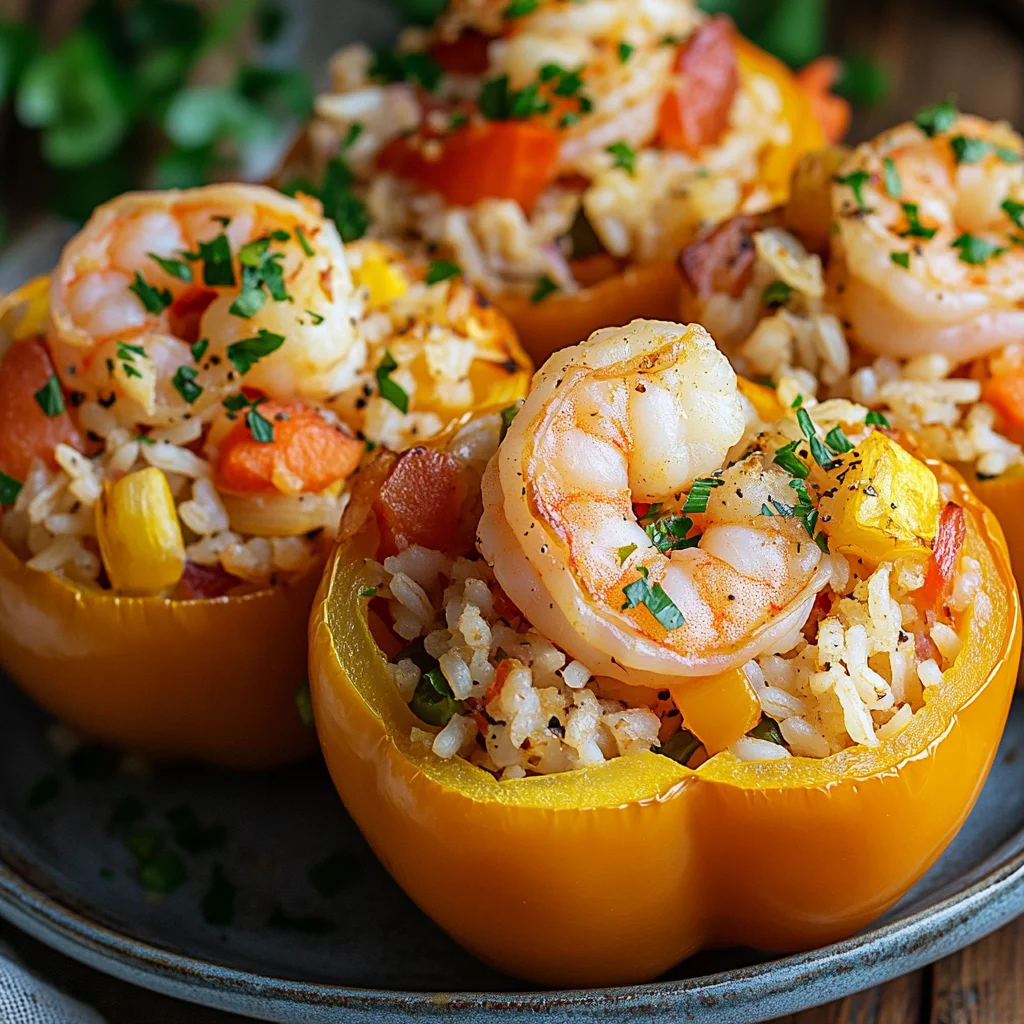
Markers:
(466, 55)
(496, 160)
(721, 260)
(421, 502)
(200, 582)
(187, 310)
(948, 542)
(306, 451)
(831, 112)
(695, 113)
(26, 432)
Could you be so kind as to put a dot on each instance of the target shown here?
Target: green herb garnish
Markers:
(184, 382)
(545, 287)
(245, 354)
(776, 294)
(176, 268)
(915, 229)
(625, 51)
(508, 414)
(901, 259)
(50, 398)
(767, 729)
(654, 599)
(700, 490)
(625, 551)
(680, 746)
(388, 389)
(669, 533)
(519, 9)
(301, 235)
(937, 119)
(837, 440)
(153, 299)
(416, 67)
(261, 429)
(975, 250)
(856, 180)
(876, 419)
(218, 270)
(442, 270)
(1014, 210)
(198, 350)
(433, 701)
(9, 489)
(893, 185)
(625, 157)
(787, 458)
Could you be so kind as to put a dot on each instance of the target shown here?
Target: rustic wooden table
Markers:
(932, 49)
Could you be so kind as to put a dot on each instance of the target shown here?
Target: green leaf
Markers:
(625, 51)
(50, 398)
(767, 729)
(893, 185)
(248, 303)
(184, 382)
(776, 294)
(624, 157)
(218, 270)
(915, 229)
(545, 287)
(200, 115)
(794, 30)
(680, 746)
(700, 490)
(153, 299)
(387, 388)
(822, 456)
(507, 416)
(625, 551)
(519, 9)
(245, 354)
(176, 268)
(260, 427)
(856, 180)
(303, 241)
(876, 419)
(1013, 210)
(901, 259)
(418, 68)
(433, 701)
(975, 250)
(669, 533)
(198, 350)
(340, 202)
(837, 440)
(442, 270)
(937, 119)
(654, 598)
(218, 905)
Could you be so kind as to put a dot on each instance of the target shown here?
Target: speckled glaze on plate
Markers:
(67, 878)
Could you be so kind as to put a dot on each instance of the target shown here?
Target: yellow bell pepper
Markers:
(719, 709)
(518, 871)
(885, 505)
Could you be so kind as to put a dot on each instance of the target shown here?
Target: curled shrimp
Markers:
(151, 299)
(643, 414)
(929, 253)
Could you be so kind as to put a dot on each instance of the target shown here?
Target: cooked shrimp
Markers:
(151, 299)
(928, 246)
(643, 414)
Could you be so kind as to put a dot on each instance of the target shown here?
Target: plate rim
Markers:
(738, 996)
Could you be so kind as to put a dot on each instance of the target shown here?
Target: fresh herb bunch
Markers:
(115, 102)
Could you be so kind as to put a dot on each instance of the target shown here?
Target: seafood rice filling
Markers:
(701, 583)
(189, 393)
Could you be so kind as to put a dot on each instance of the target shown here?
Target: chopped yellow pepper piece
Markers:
(883, 503)
(382, 278)
(718, 709)
(139, 534)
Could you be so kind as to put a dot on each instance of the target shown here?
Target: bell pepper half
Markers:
(611, 874)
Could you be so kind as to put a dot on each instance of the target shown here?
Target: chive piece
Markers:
(218, 904)
(975, 250)
(625, 51)
(776, 294)
(260, 427)
(176, 268)
(787, 458)
(767, 729)
(245, 354)
(442, 270)
(43, 791)
(856, 180)
(508, 414)
(198, 350)
(50, 398)
(797, 402)
(625, 551)
(624, 155)
(680, 747)
(657, 602)
(153, 299)
(1014, 210)
(519, 9)
(332, 874)
(9, 489)
(822, 456)
(304, 706)
(915, 229)
(308, 925)
(901, 259)
(388, 389)
(893, 185)
(218, 271)
(545, 287)
(700, 491)
(303, 240)
(936, 119)
(804, 509)
(184, 382)
(837, 440)
(876, 419)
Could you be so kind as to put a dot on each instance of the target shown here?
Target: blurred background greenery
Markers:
(175, 93)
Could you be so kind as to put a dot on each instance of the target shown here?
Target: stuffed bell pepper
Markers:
(646, 675)
(559, 153)
(181, 406)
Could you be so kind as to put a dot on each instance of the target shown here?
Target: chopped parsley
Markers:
(545, 287)
(901, 259)
(354, 131)
(669, 533)
(915, 229)
(218, 903)
(969, 150)
(153, 299)
(1013, 210)
(245, 354)
(261, 269)
(680, 747)
(176, 268)
(625, 51)
(301, 235)
(218, 271)
(937, 119)
(567, 83)
(700, 491)
(893, 185)
(498, 102)
(856, 180)
(568, 119)
(822, 456)
(126, 354)
(418, 68)
(975, 250)
(316, 318)
(261, 429)
(625, 157)
(837, 440)
(341, 203)
(876, 419)
(787, 458)
(442, 270)
(767, 729)
(388, 389)
(50, 398)
(9, 489)
(654, 599)
(776, 294)
(625, 551)
(432, 701)
(198, 350)
(519, 9)
(507, 416)
(184, 382)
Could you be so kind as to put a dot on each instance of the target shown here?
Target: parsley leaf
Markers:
(50, 398)
(198, 350)
(9, 489)
(657, 602)
(625, 157)
(545, 287)
(519, 9)
(975, 250)
(787, 458)
(893, 185)
(901, 259)
(937, 119)
(153, 299)
(388, 389)
(184, 382)
(341, 203)
(244, 354)
(669, 534)
(915, 229)
(625, 551)
(856, 180)
(822, 456)
(418, 68)
(876, 419)
(260, 427)
(303, 240)
(218, 271)
(837, 440)
(442, 270)
(1014, 210)
(625, 51)
(776, 294)
(968, 150)
(176, 268)
(126, 354)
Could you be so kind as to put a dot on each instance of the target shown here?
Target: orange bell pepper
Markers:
(719, 709)
(832, 112)
(839, 840)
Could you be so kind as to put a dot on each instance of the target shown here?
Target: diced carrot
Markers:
(187, 310)
(941, 565)
(497, 160)
(307, 453)
(695, 113)
(26, 432)
(422, 503)
(200, 582)
(832, 112)
(466, 55)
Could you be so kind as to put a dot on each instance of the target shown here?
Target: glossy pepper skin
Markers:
(652, 290)
(211, 680)
(612, 874)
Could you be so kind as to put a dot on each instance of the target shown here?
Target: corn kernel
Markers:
(384, 281)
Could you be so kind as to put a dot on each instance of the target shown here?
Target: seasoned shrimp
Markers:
(641, 415)
(165, 301)
(929, 256)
